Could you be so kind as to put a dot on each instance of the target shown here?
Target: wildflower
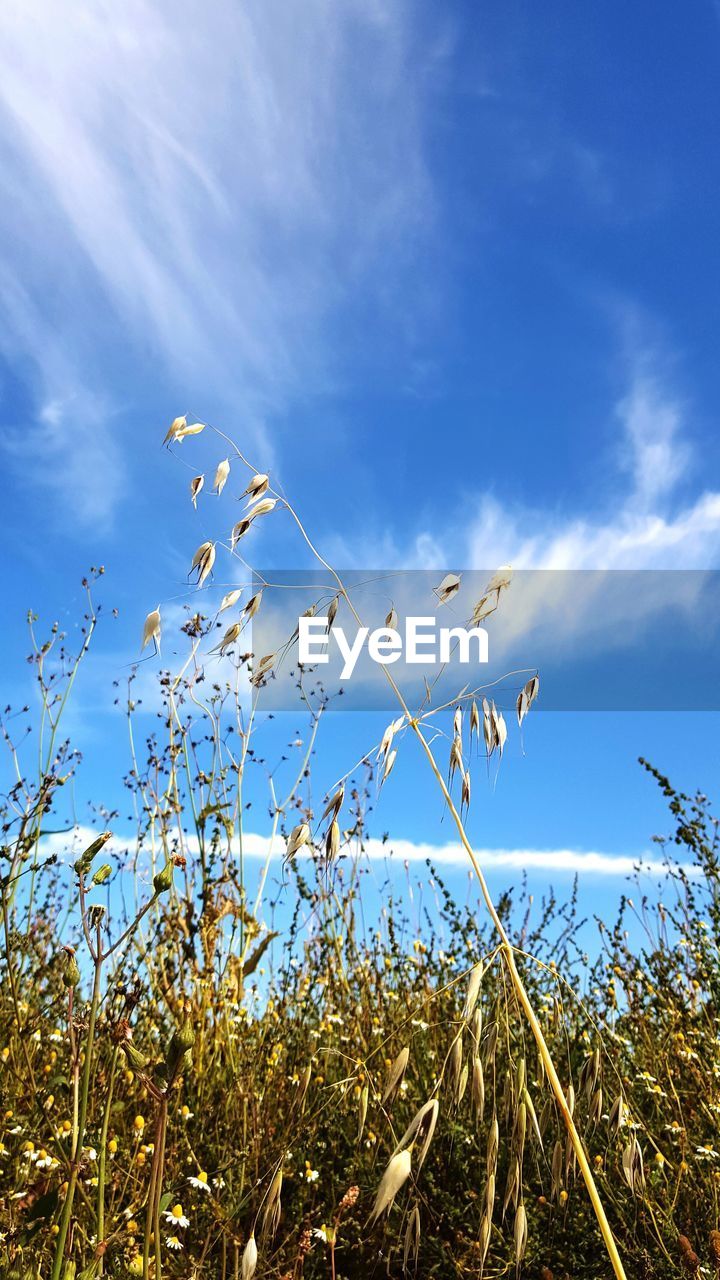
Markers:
(135, 1265)
(707, 1153)
(311, 1175)
(186, 1113)
(200, 1183)
(139, 1124)
(176, 1217)
(172, 1242)
(326, 1234)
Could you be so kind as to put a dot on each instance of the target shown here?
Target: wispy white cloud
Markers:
(206, 192)
(398, 852)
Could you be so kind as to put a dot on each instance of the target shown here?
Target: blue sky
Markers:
(450, 271)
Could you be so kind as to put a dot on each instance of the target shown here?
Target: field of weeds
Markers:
(195, 1084)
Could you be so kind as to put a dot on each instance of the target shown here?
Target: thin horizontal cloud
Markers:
(396, 852)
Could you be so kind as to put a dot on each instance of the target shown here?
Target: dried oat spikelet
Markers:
(473, 991)
(520, 1235)
(299, 836)
(252, 606)
(263, 669)
(230, 599)
(249, 1259)
(448, 588)
(152, 628)
(257, 486)
(196, 485)
(203, 561)
(261, 508)
(334, 804)
(395, 1075)
(176, 426)
(221, 475)
(273, 1205)
(332, 840)
(231, 635)
(411, 1246)
(421, 1129)
(393, 1179)
(388, 767)
(478, 1088)
(526, 697)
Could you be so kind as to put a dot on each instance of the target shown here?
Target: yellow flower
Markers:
(139, 1123)
(132, 1227)
(135, 1266)
(563, 1196)
(112, 1146)
(176, 1217)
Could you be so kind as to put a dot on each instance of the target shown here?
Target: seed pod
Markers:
(84, 862)
(394, 1177)
(102, 874)
(136, 1059)
(162, 881)
(249, 1259)
(71, 972)
(391, 620)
